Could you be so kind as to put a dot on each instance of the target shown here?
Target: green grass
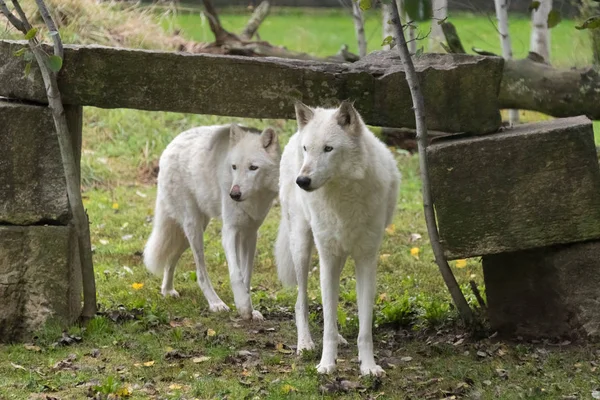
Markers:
(413, 317)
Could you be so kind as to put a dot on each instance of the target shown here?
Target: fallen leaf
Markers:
(461, 263)
(415, 252)
(406, 359)
(390, 229)
(148, 363)
(126, 237)
(288, 389)
(103, 242)
(129, 270)
(17, 366)
(414, 237)
(384, 257)
(200, 359)
(383, 297)
(32, 347)
(210, 332)
(137, 285)
(283, 350)
(123, 392)
(482, 354)
(141, 194)
(596, 394)
(175, 386)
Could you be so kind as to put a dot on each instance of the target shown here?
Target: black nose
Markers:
(235, 195)
(303, 182)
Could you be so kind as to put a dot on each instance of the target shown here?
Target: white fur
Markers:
(195, 180)
(350, 201)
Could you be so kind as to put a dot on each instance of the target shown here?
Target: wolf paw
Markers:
(218, 307)
(305, 345)
(170, 293)
(342, 341)
(326, 368)
(372, 369)
(257, 316)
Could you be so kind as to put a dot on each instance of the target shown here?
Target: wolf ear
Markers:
(236, 133)
(270, 141)
(303, 114)
(347, 116)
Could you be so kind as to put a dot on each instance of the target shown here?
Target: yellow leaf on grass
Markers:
(115, 206)
(283, 350)
(415, 252)
(210, 332)
(384, 257)
(137, 285)
(200, 359)
(461, 263)
(148, 363)
(288, 389)
(390, 229)
(175, 386)
(123, 392)
(383, 297)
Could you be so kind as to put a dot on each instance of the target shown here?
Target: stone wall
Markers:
(40, 274)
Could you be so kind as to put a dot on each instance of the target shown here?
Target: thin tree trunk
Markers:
(388, 29)
(221, 35)
(412, 29)
(440, 13)
(66, 145)
(540, 34)
(419, 107)
(359, 28)
(589, 8)
(258, 16)
(502, 16)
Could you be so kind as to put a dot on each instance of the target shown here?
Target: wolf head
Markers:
(331, 144)
(254, 162)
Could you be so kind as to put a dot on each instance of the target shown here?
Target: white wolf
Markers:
(208, 172)
(338, 187)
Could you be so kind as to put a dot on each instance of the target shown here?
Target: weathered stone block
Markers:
(532, 186)
(40, 278)
(548, 292)
(32, 182)
(460, 91)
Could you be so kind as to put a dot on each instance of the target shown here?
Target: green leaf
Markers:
(388, 41)
(365, 4)
(418, 10)
(20, 52)
(27, 69)
(441, 21)
(445, 47)
(419, 51)
(31, 33)
(55, 63)
(534, 5)
(590, 23)
(554, 18)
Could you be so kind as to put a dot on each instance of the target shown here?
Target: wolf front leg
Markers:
(232, 240)
(247, 254)
(301, 250)
(331, 268)
(366, 269)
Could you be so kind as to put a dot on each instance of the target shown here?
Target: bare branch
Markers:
(419, 106)
(58, 47)
(14, 20)
(22, 15)
(258, 16)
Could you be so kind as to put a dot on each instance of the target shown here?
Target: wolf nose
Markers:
(235, 193)
(303, 182)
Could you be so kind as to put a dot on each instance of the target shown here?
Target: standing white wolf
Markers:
(209, 172)
(338, 185)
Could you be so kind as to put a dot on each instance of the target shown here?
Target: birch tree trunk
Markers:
(440, 13)
(388, 28)
(359, 27)
(502, 16)
(540, 34)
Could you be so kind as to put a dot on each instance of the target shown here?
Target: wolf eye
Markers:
(253, 168)
(304, 147)
(327, 149)
(234, 166)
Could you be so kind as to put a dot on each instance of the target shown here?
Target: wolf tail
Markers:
(283, 256)
(165, 245)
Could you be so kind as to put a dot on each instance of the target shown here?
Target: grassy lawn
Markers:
(145, 346)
